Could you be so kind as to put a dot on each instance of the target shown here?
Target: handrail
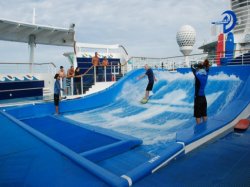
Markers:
(179, 56)
(72, 82)
(86, 71)
(72, 87)
(196, 54)
(81, 75)
(123, 49)
(46, 63)
(171, 63)
(24, 67)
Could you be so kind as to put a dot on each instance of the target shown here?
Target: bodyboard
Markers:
(144, 101)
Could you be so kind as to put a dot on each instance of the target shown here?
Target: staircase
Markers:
(99, 86)
(47, 94)
(118, 77)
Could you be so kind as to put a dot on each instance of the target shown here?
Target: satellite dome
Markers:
(186, 38)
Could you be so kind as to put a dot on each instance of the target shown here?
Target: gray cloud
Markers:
(145, 28)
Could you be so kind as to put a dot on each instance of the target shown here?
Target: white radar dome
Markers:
(186, 38)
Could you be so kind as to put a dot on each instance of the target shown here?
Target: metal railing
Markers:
(24, 68)
(172, 63)
(78, 85)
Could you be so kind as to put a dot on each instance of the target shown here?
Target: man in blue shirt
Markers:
(57, 89)
(200, 103)
(151, 79)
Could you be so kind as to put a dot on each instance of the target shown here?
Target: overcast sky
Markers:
(144, 27)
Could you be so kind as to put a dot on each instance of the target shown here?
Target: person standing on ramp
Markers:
(200, 72)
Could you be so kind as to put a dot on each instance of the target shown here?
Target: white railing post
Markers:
(105, 75)
(71, 85)
(112, 78)
(114, 73)
(81, 85)
(61, 86)
(242, 59)
(94, 74)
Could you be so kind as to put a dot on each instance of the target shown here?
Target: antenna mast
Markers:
(34, 16)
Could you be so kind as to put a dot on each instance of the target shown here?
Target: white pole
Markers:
(242, 59)
(61, 85)
(81, 85)
(72, 85)
(94, 74)
(32, 45)
(105, 74)
(34, 16)
(187, 61)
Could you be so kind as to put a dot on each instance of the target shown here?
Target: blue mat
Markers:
(26, 161)
(74, 137)
(222, 163)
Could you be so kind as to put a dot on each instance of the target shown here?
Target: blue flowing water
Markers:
(169, 109)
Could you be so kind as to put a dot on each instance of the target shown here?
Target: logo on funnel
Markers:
(229, 21)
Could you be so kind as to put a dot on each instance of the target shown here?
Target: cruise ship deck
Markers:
(104, 135)
(86, 145)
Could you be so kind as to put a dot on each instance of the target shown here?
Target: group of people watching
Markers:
(76, 75)
(96, 62)
(66, 79)
(66, 83)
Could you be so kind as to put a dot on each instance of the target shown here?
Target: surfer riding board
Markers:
(151, 78)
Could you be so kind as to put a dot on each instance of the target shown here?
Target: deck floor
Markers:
(225, 162)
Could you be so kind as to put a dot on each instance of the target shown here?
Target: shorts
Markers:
(68, 82)
(150, 86)
(56, 99)
(200, 106)
(64, 83)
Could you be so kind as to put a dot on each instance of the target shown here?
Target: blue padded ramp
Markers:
(103, 174)
(26, 161)
(74, 137)
(91, 142)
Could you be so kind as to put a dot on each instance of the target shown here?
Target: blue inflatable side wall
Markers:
(153, 164)
(86, 103)
(240, 71)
